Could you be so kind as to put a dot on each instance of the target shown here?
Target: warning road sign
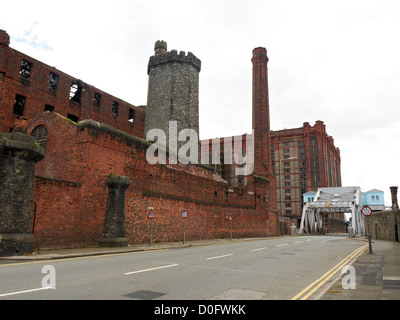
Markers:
(151, 214)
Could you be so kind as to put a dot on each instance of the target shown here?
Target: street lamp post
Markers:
(281, 190)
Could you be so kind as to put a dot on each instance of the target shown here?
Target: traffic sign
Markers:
(366, 211)
(184, 213)
(151, 214)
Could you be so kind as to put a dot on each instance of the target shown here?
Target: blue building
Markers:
(309, 196)
(375, 199)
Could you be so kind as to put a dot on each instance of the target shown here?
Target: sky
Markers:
(336, 61)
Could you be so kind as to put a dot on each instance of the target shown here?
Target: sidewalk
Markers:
(377, 275)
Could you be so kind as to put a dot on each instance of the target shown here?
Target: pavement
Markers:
(377, 275)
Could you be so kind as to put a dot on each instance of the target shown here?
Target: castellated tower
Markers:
(173, 91)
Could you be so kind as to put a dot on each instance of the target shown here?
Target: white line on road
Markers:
(225, 255)
(151, 269)
(258, 249)
(283, 244)
(298, 241)
(25, 291)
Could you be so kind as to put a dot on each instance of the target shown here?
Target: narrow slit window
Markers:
(19, 105)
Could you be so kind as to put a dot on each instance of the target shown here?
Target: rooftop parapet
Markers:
(162, 56)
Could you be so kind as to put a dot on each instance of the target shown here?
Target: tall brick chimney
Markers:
(261, 119)
(393, 191)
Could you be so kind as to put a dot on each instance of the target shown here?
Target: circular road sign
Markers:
(184, 214)
(366, 211)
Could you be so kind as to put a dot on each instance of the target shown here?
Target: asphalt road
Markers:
(261, 269)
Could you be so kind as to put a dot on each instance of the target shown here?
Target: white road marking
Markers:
(225, 255)
(151, 269)
(298, 241)
(258, 249)
(283, 244)
(25, 291)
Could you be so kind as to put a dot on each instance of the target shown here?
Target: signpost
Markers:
(151, 216)
(230, 219)
(367, 211)
(184, 216)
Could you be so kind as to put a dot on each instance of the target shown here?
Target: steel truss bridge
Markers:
(331, 200)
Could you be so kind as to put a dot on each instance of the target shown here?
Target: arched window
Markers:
(40, 135)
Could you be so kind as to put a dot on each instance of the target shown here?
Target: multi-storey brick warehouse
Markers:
(90, 137)
(303, 159)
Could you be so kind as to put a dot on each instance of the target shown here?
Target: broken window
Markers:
(40, 135)
(53, 81)
(26, 68)
(48, 108)
(19, 105)
(75, 92)
(115, 106)
(97, 100)
(131, 116)
(72, 117)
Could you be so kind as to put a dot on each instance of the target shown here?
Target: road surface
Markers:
(268, 269)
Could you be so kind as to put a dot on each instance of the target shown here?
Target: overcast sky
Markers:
(335, 61)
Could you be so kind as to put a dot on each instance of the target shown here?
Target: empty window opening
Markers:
(40, 135)
(26, 68)
(97, 100)
(48, 108)
(131, 116)
(53, 81)
(114, 110)
(75, 92)
(19, 105)
(240, 181)
(72, 117)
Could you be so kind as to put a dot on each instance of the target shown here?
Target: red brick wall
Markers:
(71, 193)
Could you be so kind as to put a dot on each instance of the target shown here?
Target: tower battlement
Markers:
(162, 56)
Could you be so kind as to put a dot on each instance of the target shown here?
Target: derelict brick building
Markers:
(91, 136)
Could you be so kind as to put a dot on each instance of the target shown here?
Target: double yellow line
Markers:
(307, 292)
